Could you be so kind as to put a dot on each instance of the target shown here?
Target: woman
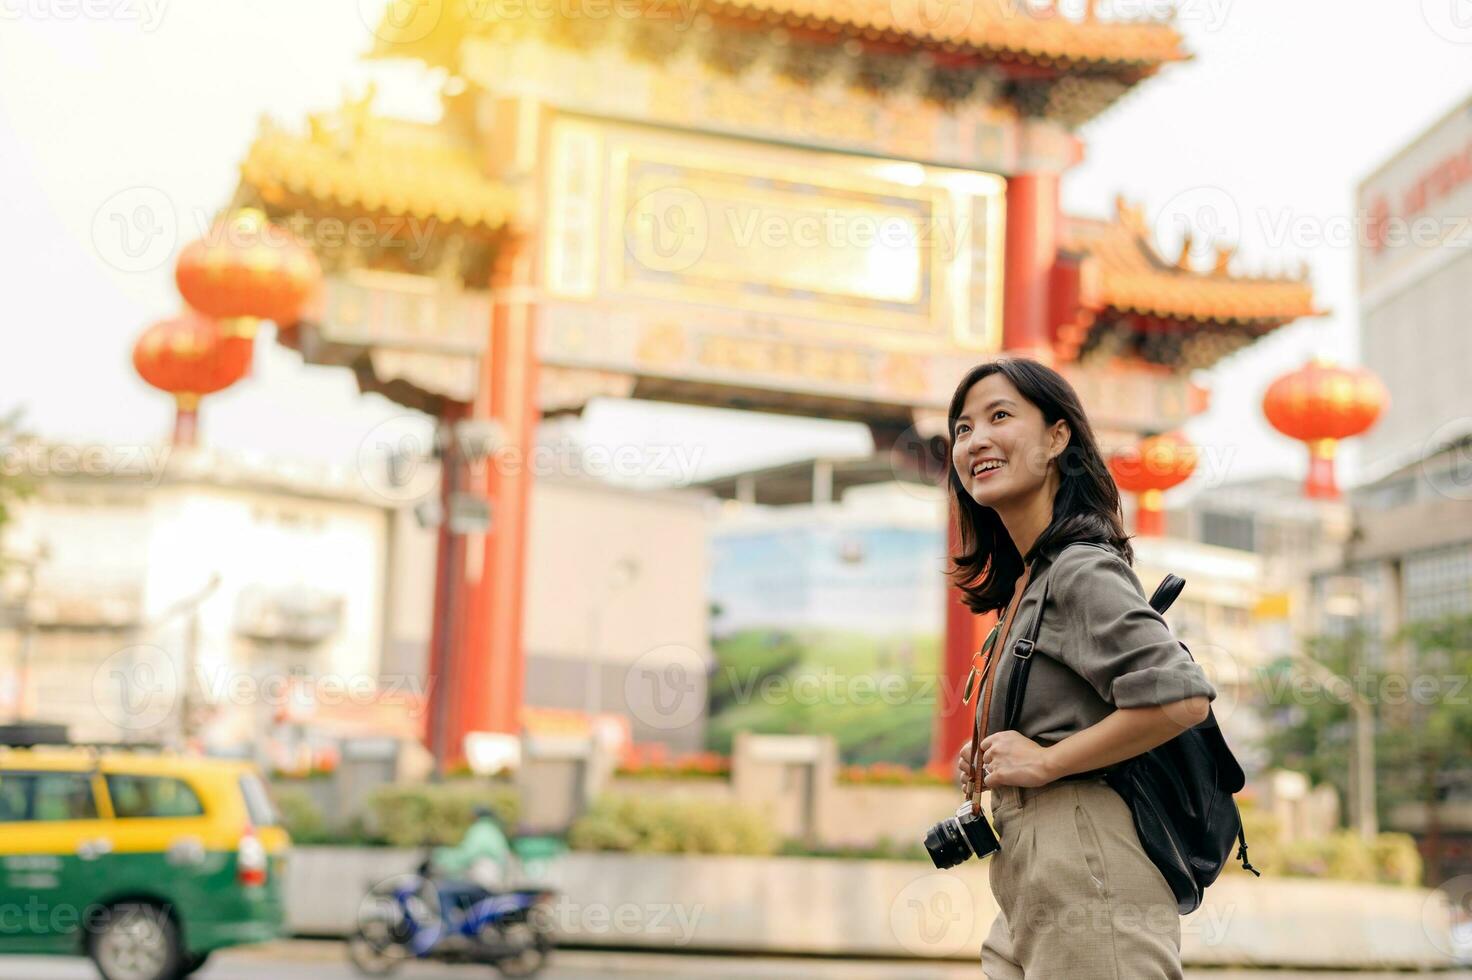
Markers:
(1078, 896)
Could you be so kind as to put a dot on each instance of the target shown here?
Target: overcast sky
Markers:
(1285, 107)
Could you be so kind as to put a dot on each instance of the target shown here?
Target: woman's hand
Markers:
(964, 776)
(1012, 759)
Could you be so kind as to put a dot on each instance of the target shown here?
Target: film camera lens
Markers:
(955, 839)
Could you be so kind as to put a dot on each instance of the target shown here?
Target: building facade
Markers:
(177, 596)
(1415, 286)
(189, 596)
(1408, 557)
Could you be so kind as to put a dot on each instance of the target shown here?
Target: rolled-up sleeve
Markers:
(1115, 639)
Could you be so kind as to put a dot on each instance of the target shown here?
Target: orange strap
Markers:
(984, 709)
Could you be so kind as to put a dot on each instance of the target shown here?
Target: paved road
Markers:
(324, 961)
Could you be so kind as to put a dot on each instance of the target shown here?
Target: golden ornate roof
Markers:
(1130, 275)
(998, 27)
(361, 163)
(1002, 29)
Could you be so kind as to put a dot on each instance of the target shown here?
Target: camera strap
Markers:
(982, 714)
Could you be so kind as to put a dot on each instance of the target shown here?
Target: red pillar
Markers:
(1032, 249)
(490, 686)
(449, 602)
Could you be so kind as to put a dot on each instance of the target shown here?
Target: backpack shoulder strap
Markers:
(1023, 650)
(1166, 593)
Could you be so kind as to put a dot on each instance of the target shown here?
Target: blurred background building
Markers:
(1415, 260)
(1407, 559)
(312, 581)
(293, 582)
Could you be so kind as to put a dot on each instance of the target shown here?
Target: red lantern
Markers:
(248, 267)
(1321, 404)
(1150, 468)
(190, 356)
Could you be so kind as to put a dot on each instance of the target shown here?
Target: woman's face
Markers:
(1004, 448)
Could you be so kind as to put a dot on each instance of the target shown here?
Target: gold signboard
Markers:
(766, 265)
(694, 234)
(723, 350)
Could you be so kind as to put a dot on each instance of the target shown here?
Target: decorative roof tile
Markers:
(1002, 29)
(1131, 276)
(362, 163)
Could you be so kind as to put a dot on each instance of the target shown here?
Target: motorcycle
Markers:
(403, 919)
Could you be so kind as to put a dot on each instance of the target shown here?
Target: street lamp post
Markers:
(189, 605)
(1362, 775)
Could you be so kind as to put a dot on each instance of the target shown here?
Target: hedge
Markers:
(1389, 859)
(658, 825)
(436, 813)
(439, 813)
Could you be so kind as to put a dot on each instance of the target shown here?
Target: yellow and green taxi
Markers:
(145, 862)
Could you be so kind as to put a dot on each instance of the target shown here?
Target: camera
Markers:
(955, 839)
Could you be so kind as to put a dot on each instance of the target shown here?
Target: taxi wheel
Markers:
(137, 942)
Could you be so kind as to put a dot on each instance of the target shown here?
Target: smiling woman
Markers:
(1023, 453)
(1041, 525)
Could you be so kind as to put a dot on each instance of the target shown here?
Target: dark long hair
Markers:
(1086, 508)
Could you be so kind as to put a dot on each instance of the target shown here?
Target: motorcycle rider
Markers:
(430, 916)
(479, 863)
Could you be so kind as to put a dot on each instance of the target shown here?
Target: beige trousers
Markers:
(1079, 898)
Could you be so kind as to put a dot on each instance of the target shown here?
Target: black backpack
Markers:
(1180, 792)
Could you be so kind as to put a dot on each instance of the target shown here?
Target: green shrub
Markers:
(300, 815)
(1264, 841)
(883, 849)
(1390, 859)
(657, 825)
(1342, 856)
(1397, 861)
(357, 833)
(436, 813)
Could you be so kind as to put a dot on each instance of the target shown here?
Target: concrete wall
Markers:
(892, 909)
(863, 815)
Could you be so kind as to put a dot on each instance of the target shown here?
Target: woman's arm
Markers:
(1108, 634)
(1012, 759)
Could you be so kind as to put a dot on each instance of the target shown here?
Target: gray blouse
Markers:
(1102, 646)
